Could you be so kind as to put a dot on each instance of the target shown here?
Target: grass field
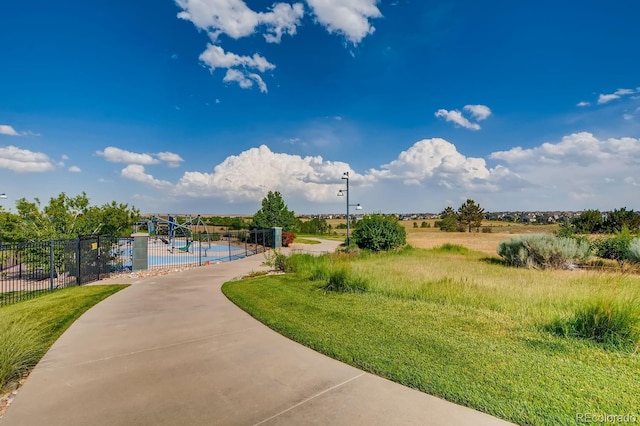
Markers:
(29, 328)
(460, 325)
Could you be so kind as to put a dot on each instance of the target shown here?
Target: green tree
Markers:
(313, 226)
(470, 214)
(448, 220)
(70, 217)
(378, 232)
(589, 222)
(619, 218)
(274, 213)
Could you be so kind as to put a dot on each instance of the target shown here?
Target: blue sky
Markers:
(203, 106)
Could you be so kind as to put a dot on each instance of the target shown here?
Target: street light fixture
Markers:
(341, 193)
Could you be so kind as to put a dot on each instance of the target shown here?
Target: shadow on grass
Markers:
(493, 261)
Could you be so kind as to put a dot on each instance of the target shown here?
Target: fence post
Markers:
(78, 277)
(51, 265)
(98, 260)
(229, 242)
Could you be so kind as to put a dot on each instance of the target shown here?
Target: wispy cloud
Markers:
(608, 97)
(117, 155)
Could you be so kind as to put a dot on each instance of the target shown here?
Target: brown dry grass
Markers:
(479, 241)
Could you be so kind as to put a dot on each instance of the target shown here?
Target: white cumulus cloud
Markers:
(579, 148)
(216, 57)
(349, 18)
(117, 155)
(75, 169)
(236, 20)
(24, 161)
(172, 159)
(5, 129)
(583, 104)
(580, 169)
(252, 173)
(233, 18)
(137, 173)
(455, 116)
(245, 80)
(478, 112)
(437, 161)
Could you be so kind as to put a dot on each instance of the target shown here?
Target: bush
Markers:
(616, 248)
(343, 281)
(378, 232)
(287, 238)
(448, 224)
(634, 250)
(452, 248)
(605, 322)
(543, 251)
(277, 261)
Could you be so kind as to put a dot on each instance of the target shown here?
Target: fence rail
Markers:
(31, 269)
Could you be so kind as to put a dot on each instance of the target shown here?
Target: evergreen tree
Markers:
(470, 214)
(274, 213)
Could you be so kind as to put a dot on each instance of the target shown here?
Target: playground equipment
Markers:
(172, 229)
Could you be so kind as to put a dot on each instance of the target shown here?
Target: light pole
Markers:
(345, 176)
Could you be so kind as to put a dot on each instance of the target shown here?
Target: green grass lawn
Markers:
(29, 328)
(306, 241)
(460, 326)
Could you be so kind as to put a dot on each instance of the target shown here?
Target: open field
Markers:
(484, 242)
(461, 326)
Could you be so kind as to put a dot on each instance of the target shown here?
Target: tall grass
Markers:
(615, 324)
(29, 328)
(18, 353)
(467, 328)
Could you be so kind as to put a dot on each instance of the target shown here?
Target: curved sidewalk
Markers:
(173, 350)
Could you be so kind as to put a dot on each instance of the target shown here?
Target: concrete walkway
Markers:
(172, 350)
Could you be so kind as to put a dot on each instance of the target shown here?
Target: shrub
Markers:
(543, 251)
(487, 230)
(452, 248)
(378, 232)
(634, 250)
(343, 280)
(287, 238)
(448, 224)
(606, 322)
(277, 261)
(615, 248)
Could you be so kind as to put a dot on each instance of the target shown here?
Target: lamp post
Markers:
(341, 193)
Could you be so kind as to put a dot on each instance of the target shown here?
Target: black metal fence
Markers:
(28, 270)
